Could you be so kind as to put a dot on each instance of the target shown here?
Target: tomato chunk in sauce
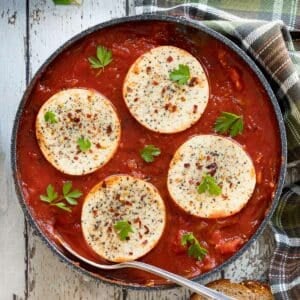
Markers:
(233, 88)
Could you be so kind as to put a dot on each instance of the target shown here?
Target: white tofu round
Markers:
(223, 159)
(159, 103)
(123, 198)
(78, 113)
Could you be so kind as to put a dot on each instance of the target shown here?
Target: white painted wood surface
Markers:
(28, 269)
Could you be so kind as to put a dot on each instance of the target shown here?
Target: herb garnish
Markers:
(180, 75)
(50, 117)
(209, 184)
(123, 229)
(84, 144)
(194, 248)
(102, 59)
(148, 153)
(68, 195)
(229, 123)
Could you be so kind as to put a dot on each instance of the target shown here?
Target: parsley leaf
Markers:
(209, 184)
(84, 144)
(194, 248)
(51, 194)
(123, 229)
(148, 153)
(62, 206)
(180, 75)
(104, 57)
(69, 195)
(229, 123)
(50, 117)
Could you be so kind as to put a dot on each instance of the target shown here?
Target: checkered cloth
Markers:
(269, 43)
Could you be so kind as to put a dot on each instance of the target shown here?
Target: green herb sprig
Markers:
(180, 75)
(123, 229)
(50, 117)
(68, 195)
(102, 59)
(149, 152)
(195, 250)
(209, 184)
(229, 123)
(84, 144)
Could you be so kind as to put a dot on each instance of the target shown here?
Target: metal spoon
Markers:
(193, 286)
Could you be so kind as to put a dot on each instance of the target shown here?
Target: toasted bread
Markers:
(246, 290)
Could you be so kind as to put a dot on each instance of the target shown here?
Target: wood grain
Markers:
(12, 84)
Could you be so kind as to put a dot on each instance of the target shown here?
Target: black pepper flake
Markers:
(147, 229)
(212, 168)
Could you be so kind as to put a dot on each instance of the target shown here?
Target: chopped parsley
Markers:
(149, 152)
(102, 59)
(229, 123)
(123, 229)
(180, 75)
(50, 117)
(209, 184)
(67, 2)
(195, 250)
(52, 198)
(84, 144)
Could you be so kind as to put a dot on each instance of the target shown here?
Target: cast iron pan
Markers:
(182, 24)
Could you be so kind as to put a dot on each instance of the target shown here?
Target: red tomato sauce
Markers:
(233, 88)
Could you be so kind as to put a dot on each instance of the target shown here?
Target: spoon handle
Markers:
(193, 286)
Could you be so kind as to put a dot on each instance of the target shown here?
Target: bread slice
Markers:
(246, 290)
(78, 114)
(223, 159)
(123, 198)
(159, 103)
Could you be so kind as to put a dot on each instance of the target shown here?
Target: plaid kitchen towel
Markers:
(269, 43)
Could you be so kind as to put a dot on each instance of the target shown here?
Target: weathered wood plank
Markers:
(12, 84)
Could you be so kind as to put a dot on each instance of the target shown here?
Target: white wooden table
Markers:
(30, 30)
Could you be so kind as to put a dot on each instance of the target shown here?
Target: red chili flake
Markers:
(186, 165)
(148, 70)
(167, 106)
(147, 229)
(118, 197)
(156, 111)
(198, 166)
(130, 253)
(95, 212)
(212, 168)
(98, 146)
(154, 82)
(140, 236)
(230, 184)
(69, 115)
(111, 210)
(174, 108)
(138, 220)
(163, 90)
(208, 157)
(183, 99)
(136, 99)
(169, 59)
(145, 242)
(109, 130)
(78, 110)
(193, 81)
(89, 116)
(195, 109)
(129, 90)
(76, 157)
(128, 203)
(109, 229)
